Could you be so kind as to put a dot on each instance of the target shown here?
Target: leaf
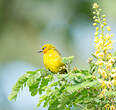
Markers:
(67, 60)
(44, 83)
(16, 88)
(83, 85)
(34, 92)
(31, 78)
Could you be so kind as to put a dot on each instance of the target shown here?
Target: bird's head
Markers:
(45, 48)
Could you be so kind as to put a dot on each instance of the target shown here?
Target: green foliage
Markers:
(78, 88)
(60, 91)
(68, 60)
(19, 85)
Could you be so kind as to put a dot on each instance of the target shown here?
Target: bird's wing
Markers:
(58, 52)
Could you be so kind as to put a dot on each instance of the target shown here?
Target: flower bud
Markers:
(104, 19)
(112, 35)
(94, 17)
(94, 24)
(96, 33)
(96, 20)
(103, 16)
(94, 12)
(107, 106)
(96, 39)
(97, 28)
(104, 23)
(108, 28)
(95, 5)
(112, 107)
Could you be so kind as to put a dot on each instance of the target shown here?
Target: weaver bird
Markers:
(52, 59)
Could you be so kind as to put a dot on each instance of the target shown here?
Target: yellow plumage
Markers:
(52, 58)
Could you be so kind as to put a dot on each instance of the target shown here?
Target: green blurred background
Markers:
(26, 25)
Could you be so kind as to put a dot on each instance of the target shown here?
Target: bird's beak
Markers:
(39, 51)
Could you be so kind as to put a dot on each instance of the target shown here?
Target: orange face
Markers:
(46, 48)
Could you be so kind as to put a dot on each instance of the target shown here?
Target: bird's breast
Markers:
(52, 61)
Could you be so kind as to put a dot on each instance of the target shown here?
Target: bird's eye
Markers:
(43, 48)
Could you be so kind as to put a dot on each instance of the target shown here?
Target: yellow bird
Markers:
(52, 59)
